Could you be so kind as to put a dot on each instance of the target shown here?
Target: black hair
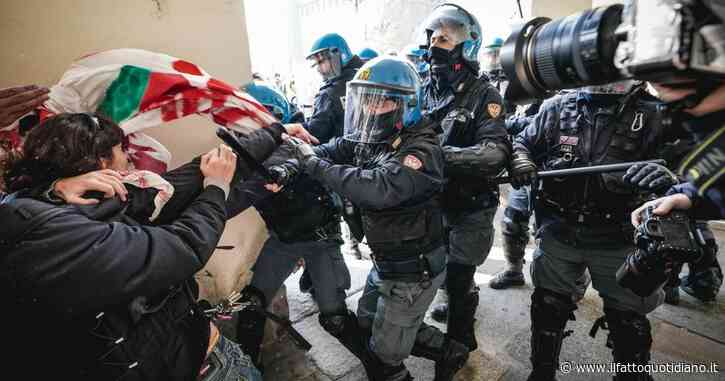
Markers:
(64, 145)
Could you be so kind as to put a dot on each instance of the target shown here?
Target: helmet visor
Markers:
(447, 22)
(327, 63)
(372, 114)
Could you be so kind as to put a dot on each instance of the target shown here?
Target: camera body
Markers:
(662, 242)
(672, 42)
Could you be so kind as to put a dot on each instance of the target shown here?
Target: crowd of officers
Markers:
(408, 147)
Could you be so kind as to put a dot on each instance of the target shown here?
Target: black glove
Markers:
(522, 170)
(303, 151)
(283, 174)
(651, 177)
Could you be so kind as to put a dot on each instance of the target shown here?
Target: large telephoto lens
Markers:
(541, 56)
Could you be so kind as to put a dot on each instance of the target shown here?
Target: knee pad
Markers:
(550, 310)
(630, 335)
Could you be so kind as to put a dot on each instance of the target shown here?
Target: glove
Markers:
(651, 177)
(303, 151)
(522, 170)
(283, 174)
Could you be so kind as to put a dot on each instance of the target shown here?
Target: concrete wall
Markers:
(40, 38)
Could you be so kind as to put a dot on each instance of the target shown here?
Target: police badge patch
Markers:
(412, 162)
(494, 109)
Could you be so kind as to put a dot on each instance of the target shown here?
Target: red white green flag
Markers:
(139, 89)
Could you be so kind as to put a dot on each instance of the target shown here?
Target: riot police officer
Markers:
(469, 113)
(332, 58)
(390, 164)
(303, 219)
(582, 221)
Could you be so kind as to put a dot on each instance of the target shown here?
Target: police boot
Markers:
(462, 304)
(631, 337)
(549, 313)
(439, 313)
(305, 281)
(705, 277)
(515, 229)
(345, 328)
(449, 357)
(250, 323)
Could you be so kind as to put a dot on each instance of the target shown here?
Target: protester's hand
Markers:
(219, 164)
(523, 170)
(20, 100)
(662, 206)
(650, 176)
(107, 181)
(298, 131)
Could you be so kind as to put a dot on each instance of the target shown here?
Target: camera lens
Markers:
(541, 55)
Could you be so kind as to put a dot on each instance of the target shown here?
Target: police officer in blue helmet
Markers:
(331, 57)
(303, 219)
(469, 114)
(416, 56)
(333, 60)
(275, 102)
(390, 164)
(367, 54)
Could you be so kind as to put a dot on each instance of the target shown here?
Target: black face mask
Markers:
(446, 67)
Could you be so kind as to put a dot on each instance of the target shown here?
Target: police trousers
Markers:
(394, 310)
(470, 235)
(558, 263)
(323, 260)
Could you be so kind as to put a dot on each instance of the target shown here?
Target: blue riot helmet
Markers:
(491, 55)
(272, 99)
(367, 54)
(456, 25)
(329, 54)
(382, 99)
(416, 56)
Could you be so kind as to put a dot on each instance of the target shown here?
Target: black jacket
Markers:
(103, 293)
(328, 117)
(397, 194)
(474, 139)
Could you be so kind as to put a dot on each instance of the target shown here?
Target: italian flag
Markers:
(139, 89)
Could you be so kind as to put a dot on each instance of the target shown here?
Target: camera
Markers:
(662, 242)
(672, 42)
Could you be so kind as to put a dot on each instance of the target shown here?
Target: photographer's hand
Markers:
(72, 189)
(663, 206)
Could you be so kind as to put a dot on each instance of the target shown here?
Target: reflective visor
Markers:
(372, 114)
(327, 63)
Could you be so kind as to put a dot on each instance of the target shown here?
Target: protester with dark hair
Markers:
(114, 286)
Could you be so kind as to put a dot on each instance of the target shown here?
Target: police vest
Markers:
(604, 198)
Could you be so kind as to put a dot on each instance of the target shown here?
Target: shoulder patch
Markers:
(494, 109)
(411, 161)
